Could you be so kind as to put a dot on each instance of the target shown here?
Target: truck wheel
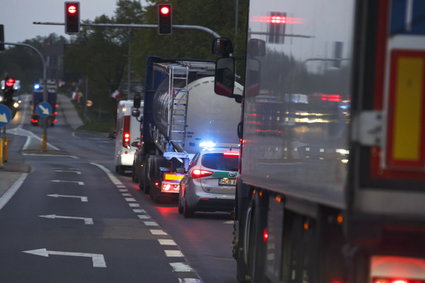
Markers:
(134, 176)
(156, 195)
(180, 206)
(119, 169)
(254, 246)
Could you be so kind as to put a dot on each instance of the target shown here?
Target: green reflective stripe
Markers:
(218, 174)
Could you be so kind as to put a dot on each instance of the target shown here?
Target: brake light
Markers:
(170, 187)
(231, 154)
(265, 235)
(199, 173)
(126, 132)
(396, 280)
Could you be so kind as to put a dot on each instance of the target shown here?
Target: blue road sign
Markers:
(5, 115)
(407, 17)
(43, 109)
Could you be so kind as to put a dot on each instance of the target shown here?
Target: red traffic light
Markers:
(72, 17)
(164, 19)
(10, 82)
(165, 10)
(72, 9)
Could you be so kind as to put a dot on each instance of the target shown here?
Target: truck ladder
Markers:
(179, 76)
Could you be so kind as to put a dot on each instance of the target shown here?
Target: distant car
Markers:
(210, 183)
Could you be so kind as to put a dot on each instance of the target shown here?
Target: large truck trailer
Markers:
(180, 113)
(332, 181)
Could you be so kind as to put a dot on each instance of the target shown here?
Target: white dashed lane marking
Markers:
(158, 232)
(167, 242)
(186, 274)
(173, 253)
(144, 216)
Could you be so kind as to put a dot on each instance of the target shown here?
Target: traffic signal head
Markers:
(10, 82)
(164, 19)
(72, 17)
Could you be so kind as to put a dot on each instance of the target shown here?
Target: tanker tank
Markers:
(209, 117)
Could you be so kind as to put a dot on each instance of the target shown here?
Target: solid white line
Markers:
(180, 267)
(158, 232)
(173, 253)
(111, 176)
(12, 190)
(166, 242)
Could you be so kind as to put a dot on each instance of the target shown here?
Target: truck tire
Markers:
(252, 248)
(119, 169)
(155, 162)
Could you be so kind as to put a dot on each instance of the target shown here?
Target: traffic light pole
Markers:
(136, 26)
(44, 138)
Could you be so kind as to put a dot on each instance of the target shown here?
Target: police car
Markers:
(210, 183)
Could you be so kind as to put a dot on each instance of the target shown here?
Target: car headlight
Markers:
(1, 98)
(16, 104)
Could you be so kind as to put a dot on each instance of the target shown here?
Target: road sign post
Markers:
(5, 117)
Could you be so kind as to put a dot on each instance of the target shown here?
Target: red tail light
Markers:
(199, 173)
(396, 280)
(265, 235)
(126, 132)
(231, 154)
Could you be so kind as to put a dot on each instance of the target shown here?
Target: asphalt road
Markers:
(74, 220)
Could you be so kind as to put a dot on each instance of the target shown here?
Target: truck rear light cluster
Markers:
(170, 187)
(396, 280)
(173, 176)
(199, 173)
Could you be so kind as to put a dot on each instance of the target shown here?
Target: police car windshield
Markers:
(217, 161)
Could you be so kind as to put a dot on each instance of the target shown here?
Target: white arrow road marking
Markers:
(87, 220)
(44, 109)
(65, 181)
(68, 171)
(83, 199)
(98, 259)
(22, 132)
(3, 118)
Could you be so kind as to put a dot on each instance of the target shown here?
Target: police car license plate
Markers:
(227, 181)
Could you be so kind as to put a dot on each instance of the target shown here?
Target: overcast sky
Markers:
(18, 16)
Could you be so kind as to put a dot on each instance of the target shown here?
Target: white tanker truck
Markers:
(180, 114)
